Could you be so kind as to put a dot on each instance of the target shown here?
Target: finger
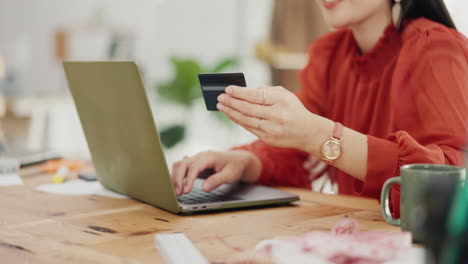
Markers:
(245, 107)
(226, 175)
(257, 132)
(179, 171)
(239, 118)
(197, 167)
(255, 125)
(175, 177)
(261, 95)
(264, 131)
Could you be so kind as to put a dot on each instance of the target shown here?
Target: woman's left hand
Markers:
(274, 114)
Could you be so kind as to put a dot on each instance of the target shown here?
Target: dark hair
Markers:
(434, 10)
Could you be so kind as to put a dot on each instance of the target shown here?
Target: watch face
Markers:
(331, 150)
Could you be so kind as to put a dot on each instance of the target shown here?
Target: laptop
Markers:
(125, 147)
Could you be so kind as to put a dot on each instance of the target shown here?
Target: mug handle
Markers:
(384, 201)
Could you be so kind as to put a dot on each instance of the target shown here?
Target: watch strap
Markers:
(338, 131)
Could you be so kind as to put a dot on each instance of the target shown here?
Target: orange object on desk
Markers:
(52, 166)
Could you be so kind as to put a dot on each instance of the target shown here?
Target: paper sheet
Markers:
(11, 179)
(176, 248)
(79, 187)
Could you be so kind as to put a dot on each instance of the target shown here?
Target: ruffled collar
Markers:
(386, 49)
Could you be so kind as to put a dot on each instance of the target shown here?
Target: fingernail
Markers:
(229, 90)
(220, 107)
(186, 189)
(221, 98)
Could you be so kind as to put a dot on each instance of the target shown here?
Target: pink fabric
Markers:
(343, 245)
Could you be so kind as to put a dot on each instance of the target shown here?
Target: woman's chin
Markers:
(338, 23)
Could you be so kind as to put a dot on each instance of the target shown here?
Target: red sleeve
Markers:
(431, 102)
(281, 166)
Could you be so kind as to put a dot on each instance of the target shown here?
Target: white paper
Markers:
(79, 187)
(176, 248)
(11, 179)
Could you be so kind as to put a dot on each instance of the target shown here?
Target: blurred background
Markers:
(171, 41)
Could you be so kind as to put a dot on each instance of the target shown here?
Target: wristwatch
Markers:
(332, 148)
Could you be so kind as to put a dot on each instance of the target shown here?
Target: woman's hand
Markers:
(274, 114)
(229, 167)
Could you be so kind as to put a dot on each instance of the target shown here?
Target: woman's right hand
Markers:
(229, 167)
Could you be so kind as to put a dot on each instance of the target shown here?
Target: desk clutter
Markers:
(11, 179)
(343, 244)
(79, 187)
(9, 169)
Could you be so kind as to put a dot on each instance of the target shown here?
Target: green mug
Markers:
(413, 181)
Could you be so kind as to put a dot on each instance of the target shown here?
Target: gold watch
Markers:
(332, 149)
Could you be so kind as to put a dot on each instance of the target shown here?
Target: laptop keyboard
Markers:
(198, 196)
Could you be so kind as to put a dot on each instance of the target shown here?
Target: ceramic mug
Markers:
(413, 181)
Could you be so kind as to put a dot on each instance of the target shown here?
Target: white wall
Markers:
(28, 28)
(212, 29)
(459, 10)
(205, 29)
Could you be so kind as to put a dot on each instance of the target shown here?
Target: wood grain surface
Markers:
(37, 227)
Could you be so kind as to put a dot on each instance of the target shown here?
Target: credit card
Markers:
(214, 84)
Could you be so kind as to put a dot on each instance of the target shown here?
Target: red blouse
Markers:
(409, 95)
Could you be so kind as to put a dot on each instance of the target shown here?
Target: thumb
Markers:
(226, 175)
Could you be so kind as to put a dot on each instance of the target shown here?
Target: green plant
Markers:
(183, 89)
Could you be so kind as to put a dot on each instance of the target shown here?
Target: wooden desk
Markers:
(36, 227)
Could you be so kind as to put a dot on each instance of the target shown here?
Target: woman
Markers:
(398, 85)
